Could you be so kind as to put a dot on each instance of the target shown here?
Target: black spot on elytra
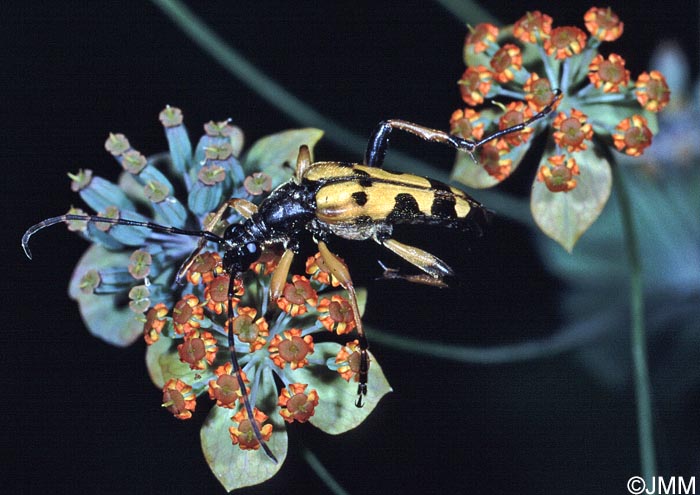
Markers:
(405, 208)
(360, 198)
(444, 206)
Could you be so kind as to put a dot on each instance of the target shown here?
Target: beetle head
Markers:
(242, 249)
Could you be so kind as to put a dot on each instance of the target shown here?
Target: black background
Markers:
(80, 415)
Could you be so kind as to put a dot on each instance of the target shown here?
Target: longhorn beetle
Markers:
(352, 201)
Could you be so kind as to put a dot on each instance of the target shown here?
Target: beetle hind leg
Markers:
(379, 140)
(428, 263)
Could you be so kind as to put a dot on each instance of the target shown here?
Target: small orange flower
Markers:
(475, 84)
(635, 136)
(506, 62)
(603, 24)
(652, 91)
(491, 158)
(336, 315)
(538, 92)
(317, 269)
(155, 321)
(481, 36)
(206, 266)
(565, 42)
(187, 314)
(250, 330)
(243, 435)
(296, 296)
(560, 176)
(198, 345)
(531, 26)
(298, 407)
(290, 347)
(609, 74)
(462, 124)
(570, 132)
(266, 264)
(225, 389)
(348, 360)
(516, 113)
(216, 294)
(179, 399)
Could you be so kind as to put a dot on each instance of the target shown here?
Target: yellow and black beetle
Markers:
(352, 201)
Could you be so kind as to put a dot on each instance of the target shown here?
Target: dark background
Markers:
(80, 415)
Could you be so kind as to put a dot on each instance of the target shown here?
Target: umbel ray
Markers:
(326, 199)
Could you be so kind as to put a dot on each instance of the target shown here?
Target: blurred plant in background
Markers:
(664, 189)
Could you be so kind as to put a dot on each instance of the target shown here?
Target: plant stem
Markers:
(322, 472)
(567, 339)
(642, 387)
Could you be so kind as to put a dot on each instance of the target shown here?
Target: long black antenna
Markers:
(237, 370)
(116, 221)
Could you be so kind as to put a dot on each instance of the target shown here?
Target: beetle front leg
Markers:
(279, 276)
(341, 272)
(244, 208)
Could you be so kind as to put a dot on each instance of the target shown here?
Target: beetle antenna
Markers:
(237, 371)
(115, 221)
(557, 95)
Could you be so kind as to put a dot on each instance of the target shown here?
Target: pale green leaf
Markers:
(276, 155)
(104, 315)
(472, 174)
(336, 411)
(232, 466)
(163, 363)
(565, 216)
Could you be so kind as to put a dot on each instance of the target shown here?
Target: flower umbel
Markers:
(186, 323)
(520, 73)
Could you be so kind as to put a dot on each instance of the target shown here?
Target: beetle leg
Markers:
(236, 369)
(209, 226)
(303, 162)
(379, 140)
(341, 272)
(420, 278)
(430, 264)
(245, 208)
(279, 276)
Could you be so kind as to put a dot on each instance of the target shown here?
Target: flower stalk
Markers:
(642, 386)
